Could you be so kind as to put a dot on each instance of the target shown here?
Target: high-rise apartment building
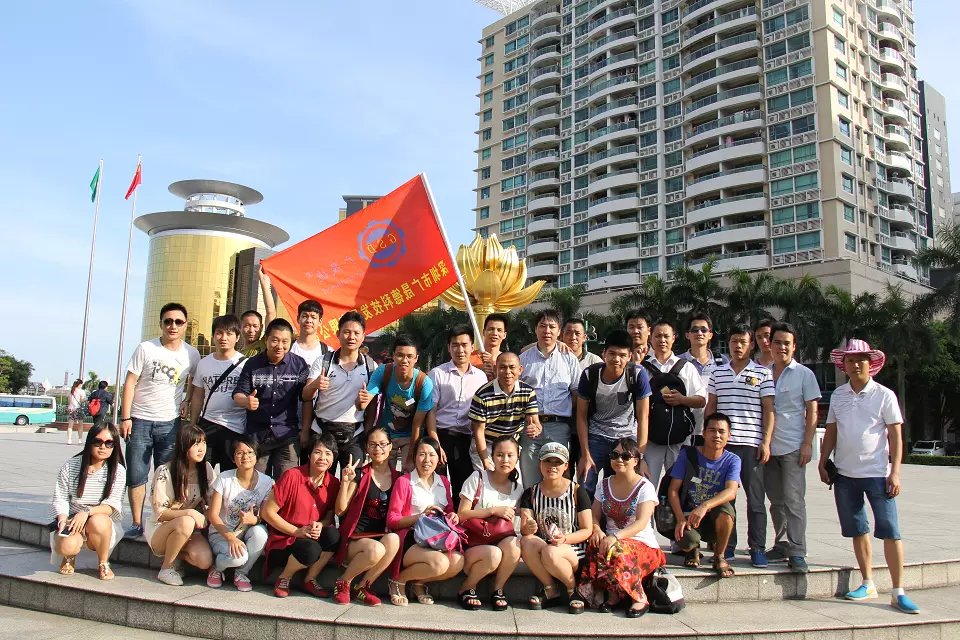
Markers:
(936, 156)
(622, 138)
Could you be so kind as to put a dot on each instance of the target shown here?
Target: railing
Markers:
(621, 196)
(729, 172)
(610, 60)
(723, 44)
(627, 148)
(711, 203)
(553, 68)
(542, 32)
(613, 247)
(606, 84)
(613, 129)
(608, 223)
(544, 112)
(622, 102)
(590, 26)
(723, 95)
(724, 256)
(728, 227)
(727, 17)
(727, 68)
(545, 91)
(726, 146)
(740, 116)
(546, 175)
(545, 154)
(546, 132)
(614, 36)
(611, 174)
(696, 5)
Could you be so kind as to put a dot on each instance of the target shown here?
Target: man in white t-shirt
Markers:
(211, 406)
(152, 402)
(308, 344)
(863, 434)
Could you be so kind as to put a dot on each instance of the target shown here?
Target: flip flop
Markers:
(692, 559)
(723, 568)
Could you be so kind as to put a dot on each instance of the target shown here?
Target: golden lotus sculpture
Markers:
(494, 278)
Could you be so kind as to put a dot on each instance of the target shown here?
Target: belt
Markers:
(550, 418)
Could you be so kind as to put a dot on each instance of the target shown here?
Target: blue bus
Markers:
(24, 410)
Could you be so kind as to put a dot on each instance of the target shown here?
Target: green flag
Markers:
(94, 185)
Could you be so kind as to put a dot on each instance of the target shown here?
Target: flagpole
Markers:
(456, 267)
(93, 246)
(123, 309)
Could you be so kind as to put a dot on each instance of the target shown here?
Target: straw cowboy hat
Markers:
(855, 345)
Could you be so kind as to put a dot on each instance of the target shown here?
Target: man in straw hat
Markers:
(863, 433)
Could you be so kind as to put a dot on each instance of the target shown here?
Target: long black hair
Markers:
(187, 436)
(514, 476)
(116, 458)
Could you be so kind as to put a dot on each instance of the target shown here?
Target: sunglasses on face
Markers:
(167, 322)
(97, 442)
(698, 330)
(621, 456)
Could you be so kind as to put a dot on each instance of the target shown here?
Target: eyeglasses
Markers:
(245, 454)
(698, 330)
(167, 322)
(622, 456)
(97, 442)
(378, 445)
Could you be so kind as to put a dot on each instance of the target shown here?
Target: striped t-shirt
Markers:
(65, 501)
(557, 515)
(503, 414)
(738, 396)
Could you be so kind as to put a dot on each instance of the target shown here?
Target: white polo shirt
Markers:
(739, 397)
(692, 381)
(423, 495)
(863, 450)
(554, 377)
(338, 402)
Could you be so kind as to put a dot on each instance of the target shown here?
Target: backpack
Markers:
(663, 592)
(94, 406)
(663, 517)
(593, 381)
(419, 379)
(439, 532)
(666, 424)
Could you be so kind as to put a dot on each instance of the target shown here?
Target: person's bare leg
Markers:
(479, 562)
(314, 570)
(510, 550)
(864, 552)
(893, 554)
(391, 545)
(361, 555)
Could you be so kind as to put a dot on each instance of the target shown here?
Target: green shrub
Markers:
(934, 461)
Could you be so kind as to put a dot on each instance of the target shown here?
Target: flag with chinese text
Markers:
(384, 261)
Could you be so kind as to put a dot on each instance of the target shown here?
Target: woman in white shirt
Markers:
(490, 495)
(75, 411)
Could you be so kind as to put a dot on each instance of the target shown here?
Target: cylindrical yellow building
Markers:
(192, 253)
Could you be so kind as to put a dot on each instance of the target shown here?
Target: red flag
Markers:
(134, 184)
(384, 261)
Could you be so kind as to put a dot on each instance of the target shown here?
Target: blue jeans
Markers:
(599, 447)
(530, 450)
(149, 439)
(848, 493)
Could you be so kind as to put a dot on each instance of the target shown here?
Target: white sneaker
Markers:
(170, 576)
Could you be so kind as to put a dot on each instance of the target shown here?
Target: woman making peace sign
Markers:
(361, 505)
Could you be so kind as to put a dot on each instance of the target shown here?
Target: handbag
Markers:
(436, 531)
(489, 530)
(209, 428)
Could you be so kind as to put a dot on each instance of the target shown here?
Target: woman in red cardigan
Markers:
(365, 545)
(420, 492)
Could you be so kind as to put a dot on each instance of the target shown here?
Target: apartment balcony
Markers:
(611, 63)
(732, 178)
(541, 224)
(601, 137)
(546, 16)
(900, 161)
(890, 34)
(613, 204)
(723, 74)
(895, 111)
(614, 179)
(721, 235)
(701, 8)
(612, 41)
(544, 247)
(906, 270)
(746, 260)
(723, 207)
(613, 85)
(727, 99)
(899, 241)
(897, 137)
(544, 179)
(543, 202)
(610, 21)
(545, 96)
(901, 217)
(611, 109)
(899, 188)
(541, 76)
(544, 138)
(893, 85)
(729, 46)
(544, 35)
(613, 254)
(613, 279)
(544, 270)
(728, 125)
(544, 54)
(547, 115)
(614, 229)
(891, 58)
(726, 153)
(889, 11)
(543, 159)
(725, 22)
(622, 153)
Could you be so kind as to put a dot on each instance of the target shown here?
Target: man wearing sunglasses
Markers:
(152, 402)
(700, 335)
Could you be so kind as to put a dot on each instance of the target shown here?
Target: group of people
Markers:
(555, 452)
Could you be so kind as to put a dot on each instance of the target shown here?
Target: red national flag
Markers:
(134, 184)
(384, 261)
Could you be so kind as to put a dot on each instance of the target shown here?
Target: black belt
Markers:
(549, 418)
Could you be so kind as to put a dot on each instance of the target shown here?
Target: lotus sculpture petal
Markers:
(494, 277)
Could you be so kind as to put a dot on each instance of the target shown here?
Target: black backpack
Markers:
(593, 381)
(667, 425)
(663, 517)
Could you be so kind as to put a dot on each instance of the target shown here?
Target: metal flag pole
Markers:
(93, 246)
(456, 267)
(123, 309)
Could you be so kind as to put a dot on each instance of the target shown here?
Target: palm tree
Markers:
(944, 255)
(700, 290)
(749, 297)
(848, 316)
(428, 329)
(92, 381)
(802, 305)
(566, 300)
(653, 297)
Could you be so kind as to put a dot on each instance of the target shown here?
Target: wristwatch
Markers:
(126, 419)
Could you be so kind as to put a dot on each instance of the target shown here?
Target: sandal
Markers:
(105, 572)
(469, 600)
(543, 601)
(722, 568)
(575, 602)
(498, 601)
(421, 593)
(397, 592)
(68, 565)
(692, 559)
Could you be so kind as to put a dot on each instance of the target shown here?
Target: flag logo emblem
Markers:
(381, 243)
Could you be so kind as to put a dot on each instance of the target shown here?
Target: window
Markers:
(513, 141)
(808, 211)
(485, 154)
(806, 241)
(849, 214)
(506, 226)
(673, 184)
(649, 239)
(781, 159)
(488, 97)
(780, 187)
(805, 153)
(485, 173)
(841, 71)
(839, 44)
(486, 134)
(487, 115)
(846, 156)
(484, 213)
(675, 261)
(805, 181)
(844, 126)
(673, 236)
(488, 60)
(488, 78)
(843, 99)
(838, 17)
(671, 38)
(489, 42)
(674, 159)
(672, 135)
(485, 193)
(850, 242)
(847, 183)
(519, 61)
(649, 163)
(513, 203)
(787, 244)
(650, 265)
(515, 82)
(513, 183)
(671, 87)
(671, 110)
(513, 162)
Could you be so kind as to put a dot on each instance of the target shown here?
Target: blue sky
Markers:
(304, 101)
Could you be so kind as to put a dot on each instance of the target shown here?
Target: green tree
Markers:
(945, 254)
(92, 381)
(750, 296)
(699, 290)
(565, 300)
(801, 304)
(14, 374)
(654, 297)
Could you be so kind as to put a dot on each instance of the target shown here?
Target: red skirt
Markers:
(621, 573)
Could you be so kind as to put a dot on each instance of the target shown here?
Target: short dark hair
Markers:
(103, 384)
(716, 416)
(701, 316)
(403, 340)
(226, 323)
(353, 316)
(664, 323)
(739, 329)
(783, 327)
(278, 324)
(251, 312)
(618, 339)
(430, 441)
(173, 306)
(627, 445)
(310, 306)
(459, 330)
(497, 317)
(547, 314)
(250, 441)
(574, 320)
(766, 322)
(326, 440)
(637, 314)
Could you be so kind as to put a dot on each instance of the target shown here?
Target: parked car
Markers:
(929, 448)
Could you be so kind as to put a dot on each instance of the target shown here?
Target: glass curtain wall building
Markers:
(624, 138)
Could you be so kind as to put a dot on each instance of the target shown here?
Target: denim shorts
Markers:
(849, 493)
(149, 439)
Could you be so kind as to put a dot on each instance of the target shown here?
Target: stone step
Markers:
(135, 599)
(699, 585)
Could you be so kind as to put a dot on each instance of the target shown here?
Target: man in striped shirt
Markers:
(503, 406)
(744, 391)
